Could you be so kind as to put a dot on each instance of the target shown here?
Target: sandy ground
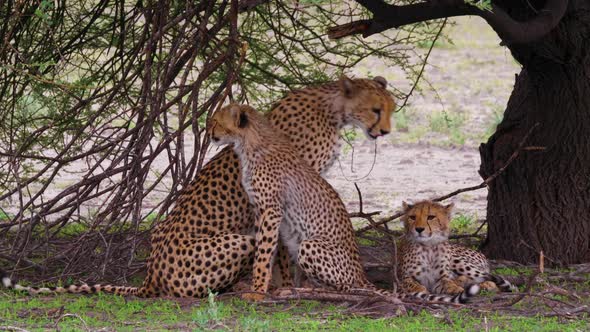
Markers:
(469, 79)
(407, 172)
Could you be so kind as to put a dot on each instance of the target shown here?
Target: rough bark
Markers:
(542, 203)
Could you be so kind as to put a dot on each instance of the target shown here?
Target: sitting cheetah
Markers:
(429, 263)
(292, 200)
(204, 243)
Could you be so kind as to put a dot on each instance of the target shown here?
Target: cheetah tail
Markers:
(503, 284)
(463, 297)
(84, 289)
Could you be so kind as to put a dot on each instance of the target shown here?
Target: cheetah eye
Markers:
(412, 218)
(376, 110)
(429, 218)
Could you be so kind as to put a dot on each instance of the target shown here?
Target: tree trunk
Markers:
(542, 201)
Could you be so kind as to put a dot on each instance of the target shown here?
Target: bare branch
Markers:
(377, 224)
(247, 5)
(511, 31)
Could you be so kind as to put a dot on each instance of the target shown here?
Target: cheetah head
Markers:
(227, 125)
(368, 104)
(427, 222)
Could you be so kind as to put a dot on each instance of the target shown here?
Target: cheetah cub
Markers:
(293, 201)
(429, 263)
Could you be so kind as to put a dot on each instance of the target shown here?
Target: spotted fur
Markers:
(429, 263)
(293, 202)
(206, 243)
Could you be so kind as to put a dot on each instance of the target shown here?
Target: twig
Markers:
(12, 328)
(393, 254)
(368, 217)
(474, 234)
(23, 261)
(485, 183)
(421, 72)
(527, 290)
(71, 315)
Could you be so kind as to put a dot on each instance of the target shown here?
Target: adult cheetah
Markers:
(292, 200)
(428, 262)
(204, 243)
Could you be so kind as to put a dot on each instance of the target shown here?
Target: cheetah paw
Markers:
(489, 286)
(454, 289)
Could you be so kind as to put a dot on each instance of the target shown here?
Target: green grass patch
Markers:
(4, 217)
(401, 121)
(445, 122)
(463, 223)
(512, 271)
(76, 228)
(78, 312)
(492, 123)
(413, 135)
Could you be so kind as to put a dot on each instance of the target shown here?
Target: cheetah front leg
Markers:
(446, 283)
(267, 237)
(282, 273)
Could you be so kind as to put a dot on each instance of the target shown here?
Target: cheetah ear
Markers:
(243, 120)
(347, 86)
(381, 80)
(239, 116)
(406, 206)
(449, 207)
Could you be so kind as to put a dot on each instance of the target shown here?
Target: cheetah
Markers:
(293, 202)
(205, 243)
(429, 263)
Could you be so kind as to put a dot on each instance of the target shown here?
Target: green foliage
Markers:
(350, 134)
(450, 124)
(400, 120)
(441, 43)
(444, 122)
(457, 137)
(480, 4)
(300, 55)
(493, 122)
(463, 222)
(4, 216)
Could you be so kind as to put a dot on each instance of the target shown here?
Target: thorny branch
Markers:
(103, 105)
(377, 224)
(136, 100)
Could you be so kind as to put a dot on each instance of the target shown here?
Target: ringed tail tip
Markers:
(6, 282)
(469, 292)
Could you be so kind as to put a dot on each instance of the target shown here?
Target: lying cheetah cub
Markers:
(293, 200)
(429, 263)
